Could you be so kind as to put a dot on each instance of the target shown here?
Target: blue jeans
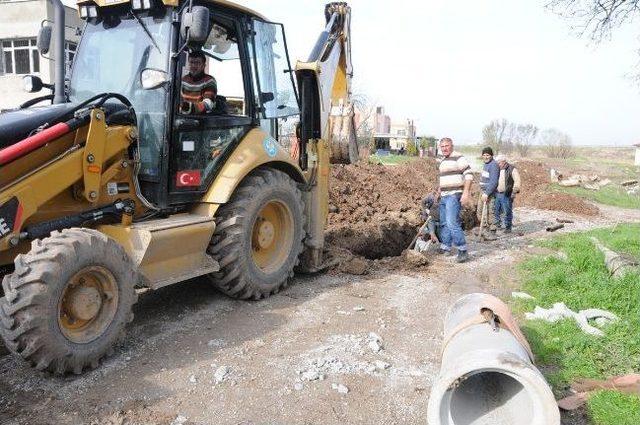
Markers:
(504, 204)
(450, 227)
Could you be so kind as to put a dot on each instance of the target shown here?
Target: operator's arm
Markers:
(463, 165)
(209, 92)
(516, 181)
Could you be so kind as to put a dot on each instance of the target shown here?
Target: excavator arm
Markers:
(325, 86)
(327, 130)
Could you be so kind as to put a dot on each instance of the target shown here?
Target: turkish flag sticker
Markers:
(188, 178)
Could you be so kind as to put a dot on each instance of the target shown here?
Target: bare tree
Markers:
(493, 134)
(366, 109)
(525, 136)
(597, 19)
(557, 144)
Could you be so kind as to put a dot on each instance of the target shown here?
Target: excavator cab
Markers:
(164, 160)
(143, 55)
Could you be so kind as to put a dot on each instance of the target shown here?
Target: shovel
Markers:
(482, 220)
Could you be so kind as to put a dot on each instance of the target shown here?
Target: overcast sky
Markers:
(455, 66)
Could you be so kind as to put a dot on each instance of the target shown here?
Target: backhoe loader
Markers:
(114, 189)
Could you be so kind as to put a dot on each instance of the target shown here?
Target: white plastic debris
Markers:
(358, 308)
(522, 296)
(560, 311)
(298, 386)
(221, 373)
(375, 342)
(179, 420)
(380, 365)
(342, 389)
(193, 379)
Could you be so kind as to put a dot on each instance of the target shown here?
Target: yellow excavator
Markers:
(113, 188)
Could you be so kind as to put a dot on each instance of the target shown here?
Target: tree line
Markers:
(508, 137)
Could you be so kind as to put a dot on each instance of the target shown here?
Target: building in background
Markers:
(402, 134)
(637, 161)
(20, 21)
(393, 136)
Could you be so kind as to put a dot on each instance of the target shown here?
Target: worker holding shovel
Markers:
(486, 203)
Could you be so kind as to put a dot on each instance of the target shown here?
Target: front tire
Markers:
(258, 237)
(68, 300)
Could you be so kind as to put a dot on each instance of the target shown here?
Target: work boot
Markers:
(445, 252)
(462, 256)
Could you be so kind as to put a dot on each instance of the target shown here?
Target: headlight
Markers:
(140, 4)
(88, 12)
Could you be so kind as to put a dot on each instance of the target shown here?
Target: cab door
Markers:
(202, 142)
(277, 101)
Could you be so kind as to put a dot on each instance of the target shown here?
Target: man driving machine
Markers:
(199, 90)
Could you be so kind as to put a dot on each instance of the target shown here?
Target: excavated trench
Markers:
(374, 241)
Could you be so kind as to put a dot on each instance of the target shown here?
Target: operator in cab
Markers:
(199, 90)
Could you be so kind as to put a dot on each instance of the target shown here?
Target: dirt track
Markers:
(282, 356)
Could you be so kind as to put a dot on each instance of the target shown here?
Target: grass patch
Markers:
(611, 407)
(581, 282)
(608, 195)
(391, 159)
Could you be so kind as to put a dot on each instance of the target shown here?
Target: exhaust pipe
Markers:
(487, 376)
(59, 59)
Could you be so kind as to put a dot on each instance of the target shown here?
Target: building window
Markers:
(70, 52)
(20, 56)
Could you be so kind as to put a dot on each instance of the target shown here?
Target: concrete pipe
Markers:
(487, 376)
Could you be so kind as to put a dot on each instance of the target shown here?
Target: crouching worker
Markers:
(508, 186)
(430, 231)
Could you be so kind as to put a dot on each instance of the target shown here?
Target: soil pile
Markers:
(374, 210)
(537, 193)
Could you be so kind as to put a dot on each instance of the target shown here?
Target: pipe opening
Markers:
(489, 398)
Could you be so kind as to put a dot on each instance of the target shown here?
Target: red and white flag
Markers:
(188, 178)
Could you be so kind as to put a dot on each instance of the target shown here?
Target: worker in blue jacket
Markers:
(488, 185)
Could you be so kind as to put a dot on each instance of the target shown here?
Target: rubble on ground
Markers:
(537, 193)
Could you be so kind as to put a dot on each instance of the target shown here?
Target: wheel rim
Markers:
(272, 236)
(88, 304)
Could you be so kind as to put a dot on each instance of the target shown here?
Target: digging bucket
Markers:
(487, 375)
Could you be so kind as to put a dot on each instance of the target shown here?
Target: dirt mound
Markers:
(536, 192)
(374, 210)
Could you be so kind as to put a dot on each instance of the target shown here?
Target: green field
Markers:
(391, 159)
(562, 349)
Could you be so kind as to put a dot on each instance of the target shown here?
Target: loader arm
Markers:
(327, 131)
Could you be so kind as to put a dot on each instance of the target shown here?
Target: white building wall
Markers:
(637, 161)
(21, 19)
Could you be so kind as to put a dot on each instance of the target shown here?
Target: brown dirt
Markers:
(536, 192)
(374, 210)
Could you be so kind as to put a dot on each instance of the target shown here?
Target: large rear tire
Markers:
(258, 237)
(68, 301)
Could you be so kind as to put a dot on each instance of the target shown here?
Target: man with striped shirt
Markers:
(199, 90)
(455, 186)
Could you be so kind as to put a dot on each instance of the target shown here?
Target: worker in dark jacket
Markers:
(488, 186)
(508, 186)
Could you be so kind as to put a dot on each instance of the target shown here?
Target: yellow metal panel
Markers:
(167, 250)
(250, 154)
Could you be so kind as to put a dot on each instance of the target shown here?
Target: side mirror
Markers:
(152, 78)
(195, 24)
(32, 84)
(44, 39)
